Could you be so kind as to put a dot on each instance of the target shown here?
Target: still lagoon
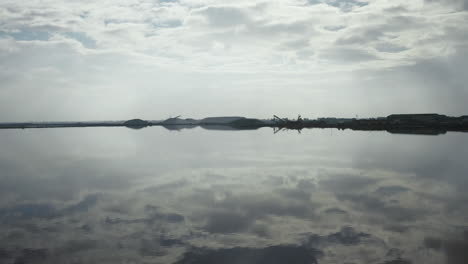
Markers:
(118, 195)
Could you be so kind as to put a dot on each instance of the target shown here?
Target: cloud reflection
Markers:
(282, 205)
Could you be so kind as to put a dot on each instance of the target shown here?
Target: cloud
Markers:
(273, 255)
(347, 5)
(228, 222)
(46, 211)
(339, 183)
(346, 236)
(188, 30)
(457, 4)
(128, 53)
(223, 16)
(454, 248)
(391, 190)
(210, 214)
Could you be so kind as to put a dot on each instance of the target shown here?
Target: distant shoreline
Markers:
(405, 123)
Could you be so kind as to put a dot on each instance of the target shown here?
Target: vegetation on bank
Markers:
(401, 122)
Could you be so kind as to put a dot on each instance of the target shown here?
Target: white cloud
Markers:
(219, 39)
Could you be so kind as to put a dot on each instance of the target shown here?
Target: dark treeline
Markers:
(398, 123)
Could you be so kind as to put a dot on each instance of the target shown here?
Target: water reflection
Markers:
(112, 195)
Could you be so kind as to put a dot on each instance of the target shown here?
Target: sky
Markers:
(121, 59)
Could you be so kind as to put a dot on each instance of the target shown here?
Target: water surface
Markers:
(116, 195)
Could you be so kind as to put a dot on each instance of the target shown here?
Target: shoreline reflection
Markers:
(152, 196)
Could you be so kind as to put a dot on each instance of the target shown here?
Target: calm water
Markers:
(116, 195)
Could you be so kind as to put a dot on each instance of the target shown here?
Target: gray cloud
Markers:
(44, 210)
(453, 247)
(224, 16)
(347, 5)
(388, 47)
(346, 236)
(343, 5)
(391, 190)
(228, 222)
(238, 213)
(273, 254)
(347, 55)
(339, 183)
(458, 4)
(383, 209)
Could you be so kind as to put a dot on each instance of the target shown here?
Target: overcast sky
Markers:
(119, 59)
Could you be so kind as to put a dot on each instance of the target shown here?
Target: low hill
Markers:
(136, 123)
(222, 120)
(247, 123)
